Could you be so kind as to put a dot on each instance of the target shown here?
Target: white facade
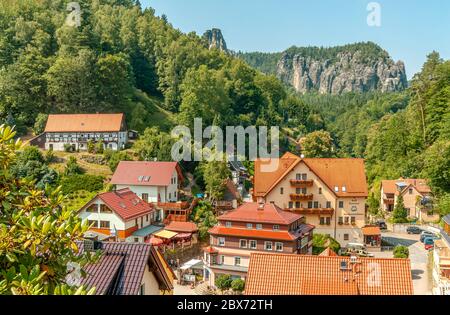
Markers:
(78, 140)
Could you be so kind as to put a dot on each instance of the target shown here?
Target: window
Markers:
(316, 204)
(228, 224)
(104, 224)
(145, 197)
(142, 289)
(249, 226)
(304, 190)
(281, 190)
(341, 204)
(268, 245)
(279, 246)
(328, 221)
(304, 176)
(320, 190)
(253, 244)
(347, 220)
(105, 209)
(322, 221)
(297, 204)
(170, 196)
(410, 191)
(221, 241)
(259, 226)
(353, 220)
(336, 188)
(298, 176)
(175, 195)
(341, 220)
(328, 204)
(243, 243)
(276, 227)
(92, 208)
(94, 222)
(345, 237)
(291, 204)
(298, 191)
(310, 204)
(237, 261)
(136, 240)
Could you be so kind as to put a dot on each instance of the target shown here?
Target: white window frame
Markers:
(249, 226)
(240, 243)
(266, 247)
(276, 246)
(259, 226)
(228, 224)
(276, 227)
(221, 241)
(235, 260)
(250, 244)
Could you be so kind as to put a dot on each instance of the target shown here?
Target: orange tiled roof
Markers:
(250, 212)
(182, 227)
(371, 230)
(420, 184)
(260, 234)
(84, 122)
(334, 172)
(277, 274)
(328, 252)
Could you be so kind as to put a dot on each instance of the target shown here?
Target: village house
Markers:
(121, 216)
(329, 192)
(75, 130)
(441, 261)
(154, 182)
(416, 196)
(329, 274)
(253, 227)
(127, 269)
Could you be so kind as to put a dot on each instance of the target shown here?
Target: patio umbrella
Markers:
(155, 241)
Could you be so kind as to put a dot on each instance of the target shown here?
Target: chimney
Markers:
(260, 206)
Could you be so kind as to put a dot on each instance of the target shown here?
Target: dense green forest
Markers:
(123, 58)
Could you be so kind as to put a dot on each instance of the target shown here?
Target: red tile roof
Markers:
(340, 172)
(125, 203)
(85, 123)
(182, 227)
(143, 173)
(420, 184)
(251, 212)
(260, 234)
(371, 230)
(328, 252)
(276, 274)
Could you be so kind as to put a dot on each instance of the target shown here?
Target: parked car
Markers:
(429, 243)
(382, 225)
(426, 234)
(413, 230)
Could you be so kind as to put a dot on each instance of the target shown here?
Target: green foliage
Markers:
(77, 199)
(203, 215)
(317, 144)
(238, 285)
(215, 175)
(443, 204)
(154, 144)
(115, 157)
(322, 242)
(39, 124)
(31, 153)
(91, 183)
(400, 214)
(401, 251)
(91, 146)
(37, 236)
(99, 147)
(72, 167)
(223, 282)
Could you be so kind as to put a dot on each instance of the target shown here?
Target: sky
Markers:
(408, 29)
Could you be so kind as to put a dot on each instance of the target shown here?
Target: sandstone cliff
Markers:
(214, 39)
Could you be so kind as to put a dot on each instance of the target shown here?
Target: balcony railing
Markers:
(301, 182)
(299, 197)
(323, 211)
(388, 201)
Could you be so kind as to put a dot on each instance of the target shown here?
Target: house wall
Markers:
(353, 207)
(113, 140)
(410, 201)
(151, 286)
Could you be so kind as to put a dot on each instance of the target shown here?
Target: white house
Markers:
(76, 130)
(153, 182)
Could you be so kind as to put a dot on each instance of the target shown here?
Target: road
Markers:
(418, 257)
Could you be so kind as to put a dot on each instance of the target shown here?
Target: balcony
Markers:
(320, 211)
(388, 201)
(301, 183)
(301, 197)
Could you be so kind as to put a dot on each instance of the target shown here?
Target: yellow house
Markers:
(330, 193)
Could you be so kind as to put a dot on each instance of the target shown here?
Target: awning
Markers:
(148, 230)
(371, 230)
(191, 263)
(184, 235)
(166, 234)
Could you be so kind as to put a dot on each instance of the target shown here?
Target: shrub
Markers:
(99, 147)
(322, 241)
(223, 282)
(115, 158)
(68, 147)
(91, 146)
(72, 183)
(49, 156)
(238, 285)
(401, 251)
(39, 124)
(31, 153)
(72, 167)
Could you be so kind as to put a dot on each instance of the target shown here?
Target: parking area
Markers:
(418, 256)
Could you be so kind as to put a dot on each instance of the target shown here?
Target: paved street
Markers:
(418, 256)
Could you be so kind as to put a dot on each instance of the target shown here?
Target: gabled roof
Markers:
(125, 203)
(328, 252)
(256, 234)
(333, 172)
(391, 186)
(121, 268)
(276, 274)
(182, 227)
(266, 213)
(143, 173)
(84, 122)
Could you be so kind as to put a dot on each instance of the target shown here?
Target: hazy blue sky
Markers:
(409, 30)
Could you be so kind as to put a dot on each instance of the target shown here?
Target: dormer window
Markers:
(336, 188)
(249, 226)
(344, 189)
(276, 227)
(228, 224)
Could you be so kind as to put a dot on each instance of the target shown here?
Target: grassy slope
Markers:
(159, 116)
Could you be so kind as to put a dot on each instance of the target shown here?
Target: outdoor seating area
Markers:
(372, 237)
